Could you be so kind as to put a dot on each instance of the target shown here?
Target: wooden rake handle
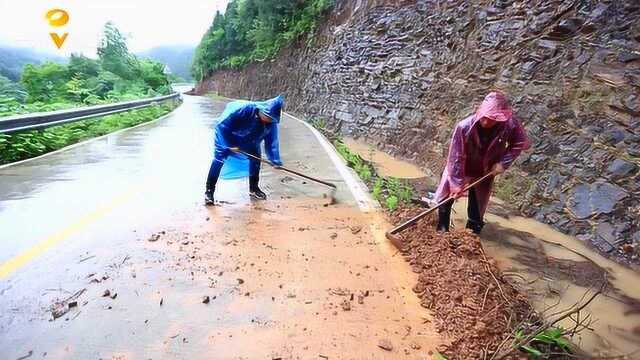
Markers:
(325, 183)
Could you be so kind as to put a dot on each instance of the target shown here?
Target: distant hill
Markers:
(12, 59)
(177, 57)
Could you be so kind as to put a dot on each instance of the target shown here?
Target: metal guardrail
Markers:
(41, 120)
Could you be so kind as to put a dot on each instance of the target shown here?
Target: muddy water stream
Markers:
(554, 269)
(385, 164)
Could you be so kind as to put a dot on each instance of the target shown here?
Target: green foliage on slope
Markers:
(255, 30)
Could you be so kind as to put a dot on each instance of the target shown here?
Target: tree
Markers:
(83, 67)
(114, 54)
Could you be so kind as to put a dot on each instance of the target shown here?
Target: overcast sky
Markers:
(148, 23)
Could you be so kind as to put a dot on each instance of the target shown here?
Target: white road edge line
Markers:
(66, 148)
(356, 186)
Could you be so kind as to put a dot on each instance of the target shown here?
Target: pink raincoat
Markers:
(468, 160)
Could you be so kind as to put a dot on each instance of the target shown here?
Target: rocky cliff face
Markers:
(401, 74)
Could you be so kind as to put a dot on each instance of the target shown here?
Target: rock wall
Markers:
(400, 74)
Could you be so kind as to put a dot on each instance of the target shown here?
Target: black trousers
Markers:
(474, 221)
(220, 155)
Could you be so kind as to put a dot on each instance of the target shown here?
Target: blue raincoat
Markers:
(239, 126)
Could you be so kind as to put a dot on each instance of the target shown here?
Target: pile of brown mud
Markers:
(473, 306)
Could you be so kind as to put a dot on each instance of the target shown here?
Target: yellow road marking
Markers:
(19, 261)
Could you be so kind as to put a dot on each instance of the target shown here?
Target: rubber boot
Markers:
(444, 217)
(254, 190)
(475, 226)
(208, 197)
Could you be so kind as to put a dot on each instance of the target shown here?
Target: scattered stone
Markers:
(73, 304)
(205, 300)
(114, 296)
(385, 344)
(154, 238)
(106, 293)
(240, 281)
(333, 235)
(28, 355)
(346, 305)
(627, 248)
(356, 229)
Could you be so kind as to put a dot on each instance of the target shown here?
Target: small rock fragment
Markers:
(385, 344)
(106, 293)
(73, 304)
(240, 281)
(346, 305)
(333, 235)
(205, 300)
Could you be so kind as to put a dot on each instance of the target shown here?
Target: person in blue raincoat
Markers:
(245, 125)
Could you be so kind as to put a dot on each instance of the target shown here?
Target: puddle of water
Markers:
(550, 273)
(385, 164)
(561, 274)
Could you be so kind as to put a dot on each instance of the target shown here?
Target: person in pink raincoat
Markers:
(488, 141)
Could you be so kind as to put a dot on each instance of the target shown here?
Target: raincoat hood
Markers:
(272, 107)
(495, 106)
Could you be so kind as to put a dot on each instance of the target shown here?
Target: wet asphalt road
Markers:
(78, 221)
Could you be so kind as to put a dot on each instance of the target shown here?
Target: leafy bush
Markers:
(254, 30)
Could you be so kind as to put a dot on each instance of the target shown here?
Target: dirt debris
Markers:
(346, 305)
(385, 344)
(472, 304)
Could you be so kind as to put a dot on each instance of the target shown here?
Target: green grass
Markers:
(550, 341)
(20, 146)
(390, 192)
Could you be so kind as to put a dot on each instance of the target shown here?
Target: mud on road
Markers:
(281, 279)
(295, 279)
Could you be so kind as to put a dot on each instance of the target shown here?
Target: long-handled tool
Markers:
(391, 233)
(333, 187)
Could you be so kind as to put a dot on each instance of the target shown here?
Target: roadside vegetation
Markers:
(116, 75)
(20, 146)
(252, 30)
(390, 192)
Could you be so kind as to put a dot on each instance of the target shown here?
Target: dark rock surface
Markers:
(400, 74)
